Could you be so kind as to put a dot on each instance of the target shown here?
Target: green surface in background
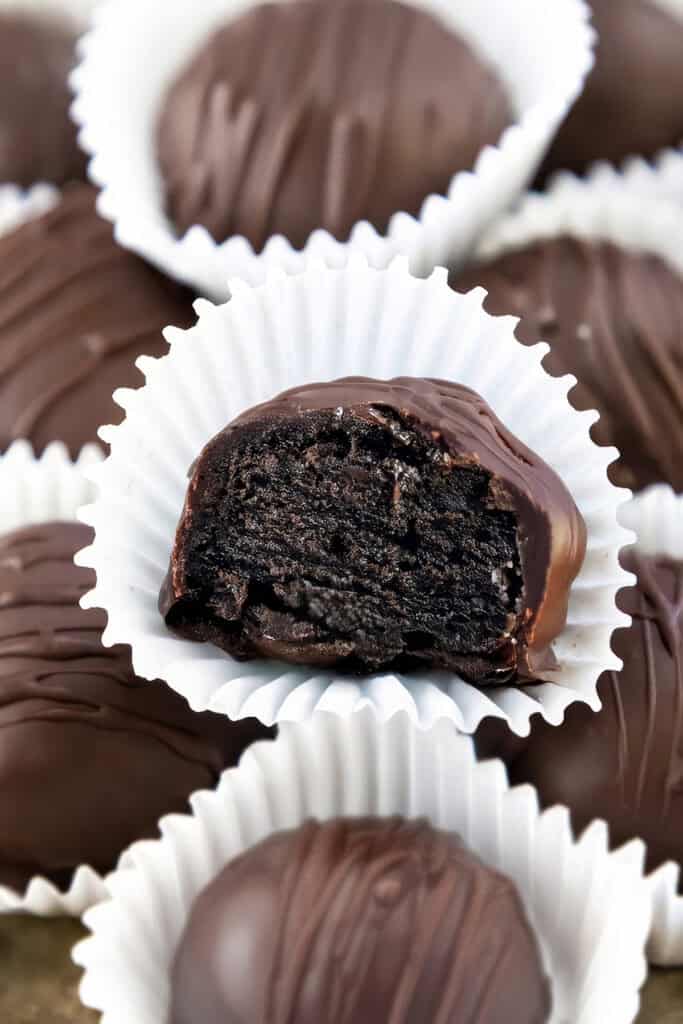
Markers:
(39, 984)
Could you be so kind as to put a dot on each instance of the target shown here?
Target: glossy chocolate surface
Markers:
(625, 763)
(452, 428)
(76, 311)
(359, 920)
(90, 755)
(614, 319)
(311, 115)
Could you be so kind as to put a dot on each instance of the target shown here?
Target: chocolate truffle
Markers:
(376, 525)
(76, 310)
(308, 115)
(359, 920)
(90, 756)
(624, 763)
(633, 99)
(37, 136)
(614, 319)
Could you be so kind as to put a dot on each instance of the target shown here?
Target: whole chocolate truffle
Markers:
(624, 763)
(310, 115)
(76, 311)
(37, 136)
(633, 99)
(90, 756)
(376, 525)
(614, 319)
(359, 920)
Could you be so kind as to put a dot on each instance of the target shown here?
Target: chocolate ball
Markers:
(613, 318)
(376, 525)
(37, 136)
(624, 763)
(359, 920)
(76, 311)
(90, 756)
(633, 99)
(310, 115)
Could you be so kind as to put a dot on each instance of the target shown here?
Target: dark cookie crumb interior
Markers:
(332, 538)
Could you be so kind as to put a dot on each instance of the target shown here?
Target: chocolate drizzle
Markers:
(75, 312)
(449, 488)
(614, 319)
(625, 764)
(355, 920)
(90, 755)
(316, 115)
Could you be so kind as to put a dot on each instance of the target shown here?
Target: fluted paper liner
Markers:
(606, 205)
(135, 49)
(656, 516)
(18, 205)
(37, 491)
(589, 910)
(321, 325)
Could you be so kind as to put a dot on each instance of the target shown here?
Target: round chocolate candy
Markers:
(376, 525)
(359, 920)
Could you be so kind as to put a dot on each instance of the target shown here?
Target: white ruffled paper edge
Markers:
(542, 52)
(321, 325)
(18, 205)
(589, 908)
(605, 205)
(36, 491)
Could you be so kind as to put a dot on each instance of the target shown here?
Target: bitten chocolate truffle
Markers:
(37, 136)
(624, 763)
(90, 756)
(359, 920)
(76, 311)
(376, 525)
(614, 319)
(311, 115)
(633, 99)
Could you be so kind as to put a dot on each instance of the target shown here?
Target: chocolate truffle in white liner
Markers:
(623, 764)
(598, 274)
(589, 912)
(541, 54)
(322, 325)
(90, 757)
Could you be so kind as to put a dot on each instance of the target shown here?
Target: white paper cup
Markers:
(660, 178)
(604, 206)
(322, 325)
(589, 910)
(656, 516)
(37, 491)
(19, 205)
(136, 48)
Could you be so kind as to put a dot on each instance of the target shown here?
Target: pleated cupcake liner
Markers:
(135, 48)
(36, 491)
(321, 325)
(605, 205)
(656, 516)
(589, 909)
(18, 205)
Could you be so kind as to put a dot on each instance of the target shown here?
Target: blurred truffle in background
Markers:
(37, 136)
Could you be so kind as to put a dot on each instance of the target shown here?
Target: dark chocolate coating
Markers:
(625, 763)
(359, 920)
(375, 462)
(614, 319)
(37, 136)
(633, 99)
(76, 311)
(90, 756)
(311, 115)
